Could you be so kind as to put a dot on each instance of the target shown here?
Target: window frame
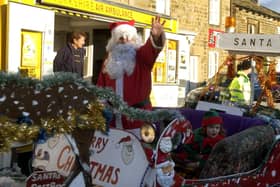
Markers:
(163, 6)
(214, 13)
(193, 69)
(213, 64)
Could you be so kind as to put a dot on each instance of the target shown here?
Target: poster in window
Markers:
(31, 53)
(172, 59)
(159, 70)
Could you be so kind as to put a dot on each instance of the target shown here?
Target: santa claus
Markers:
(127, 69)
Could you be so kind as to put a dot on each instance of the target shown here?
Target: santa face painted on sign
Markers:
(127, 68)
(165, 173)
(127, 152)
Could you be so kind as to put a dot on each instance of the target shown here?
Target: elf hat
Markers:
(124, 29)
(211, 118)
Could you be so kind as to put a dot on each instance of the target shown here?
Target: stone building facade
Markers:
(255, 19)
(203, 18)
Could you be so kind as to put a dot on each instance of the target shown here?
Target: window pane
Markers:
(163, 6)
(193, 68)
(213, 63)
(214, 12)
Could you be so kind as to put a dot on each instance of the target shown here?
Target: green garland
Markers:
(101, 93)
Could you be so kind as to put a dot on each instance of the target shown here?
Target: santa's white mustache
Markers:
(121, 60)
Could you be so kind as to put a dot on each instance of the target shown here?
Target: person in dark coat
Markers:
(70, 58)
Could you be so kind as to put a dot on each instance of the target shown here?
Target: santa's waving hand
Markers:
(127, 68)
(157, 28)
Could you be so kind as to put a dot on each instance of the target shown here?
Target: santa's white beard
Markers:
(127, 155)
(121, 60)
(165, 144)
(165, 180)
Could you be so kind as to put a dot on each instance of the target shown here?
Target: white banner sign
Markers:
(118, 159)
(261, 43)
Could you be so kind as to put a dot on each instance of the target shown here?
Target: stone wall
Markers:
(194, 16)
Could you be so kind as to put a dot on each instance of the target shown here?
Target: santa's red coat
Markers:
(136, 87)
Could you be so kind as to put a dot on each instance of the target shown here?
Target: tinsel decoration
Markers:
(13, 132)
(92, 120)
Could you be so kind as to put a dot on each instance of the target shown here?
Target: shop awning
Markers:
(108, 12)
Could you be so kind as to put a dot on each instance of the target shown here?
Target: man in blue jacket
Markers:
(70, 58)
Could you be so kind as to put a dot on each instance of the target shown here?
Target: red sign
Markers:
(51, 178)
(212, 37)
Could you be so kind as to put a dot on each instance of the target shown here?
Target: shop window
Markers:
(193, 69)
(213, 63)
(251, 29)
(163, 6)
(214, 12)
(165, 68)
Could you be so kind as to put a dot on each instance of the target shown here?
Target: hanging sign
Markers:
(261, 43)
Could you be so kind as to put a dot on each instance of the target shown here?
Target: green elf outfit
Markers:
(201, 145)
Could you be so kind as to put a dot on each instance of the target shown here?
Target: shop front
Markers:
(27, 39)
(171, 71)
(52, 21)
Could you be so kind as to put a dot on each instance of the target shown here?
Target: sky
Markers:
(271, 4)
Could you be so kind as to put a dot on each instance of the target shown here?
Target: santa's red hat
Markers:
(124, 29)
(163, 160)
(125, 139)
(119, 23)
(170, 132)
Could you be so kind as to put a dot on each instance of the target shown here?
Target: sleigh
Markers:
(249, 156)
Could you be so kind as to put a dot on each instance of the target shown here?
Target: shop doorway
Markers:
(100, 39)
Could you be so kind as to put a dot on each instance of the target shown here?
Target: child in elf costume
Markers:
(203, 140)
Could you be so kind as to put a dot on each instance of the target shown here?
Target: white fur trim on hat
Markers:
(126, 31)
(165, 163)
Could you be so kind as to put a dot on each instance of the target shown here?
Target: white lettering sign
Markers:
(261, 43)
(118, 159)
